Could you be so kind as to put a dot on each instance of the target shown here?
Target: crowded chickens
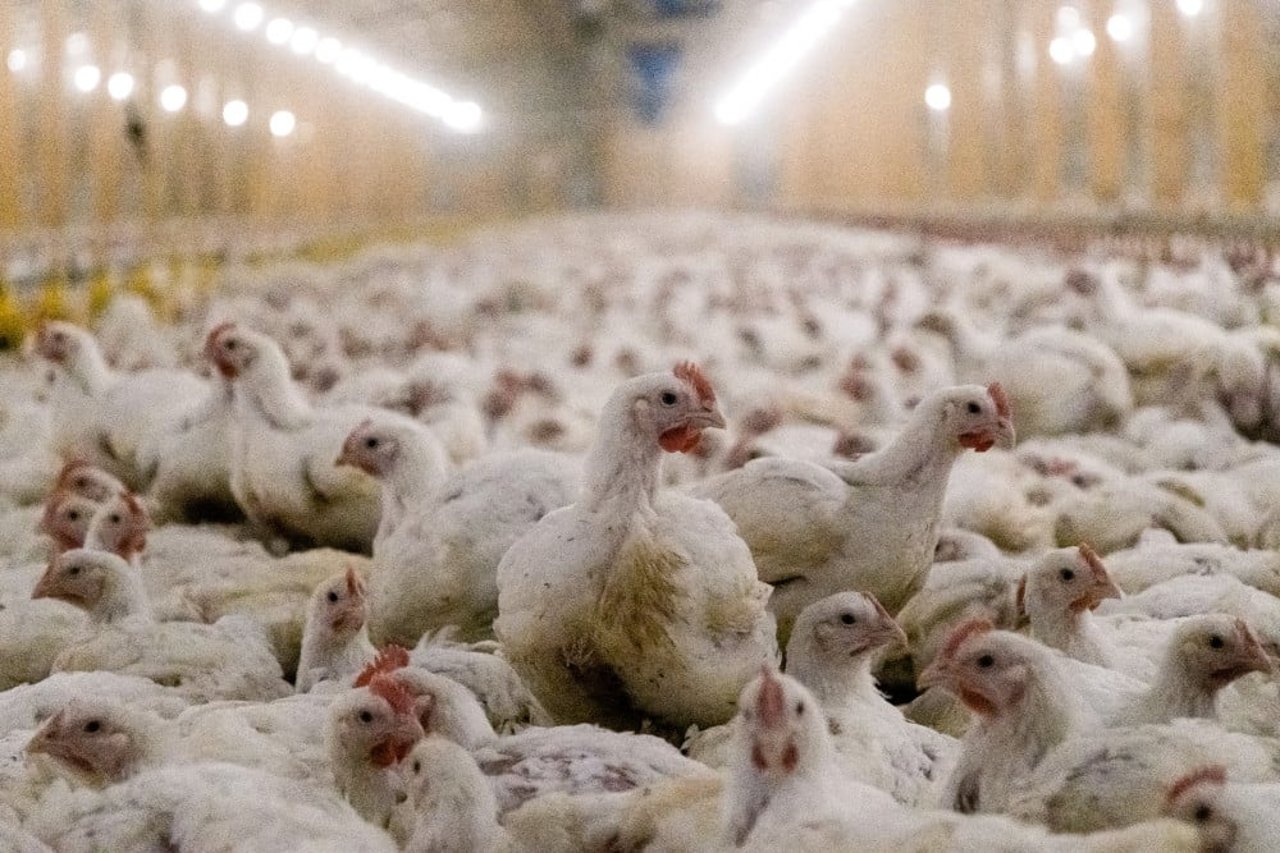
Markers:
(627, 532)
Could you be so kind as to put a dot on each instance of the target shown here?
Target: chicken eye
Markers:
(74, 515)
(74, 570)
(371, 443)
(799, 708)
(669, 398)
(230, 344)
(366, 717)
(114, 518)
(92, 726)
(986, 661)
(1215, 642)
(1067, 575)
(333, 597)
(847, 618)
(1203, 813)
(974, 408)
(417, 767)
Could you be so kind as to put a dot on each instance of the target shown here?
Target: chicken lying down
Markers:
(537, 761)
(1230, 815)
(870, 525)
(209, 806)
(1152, 563)
(637, 603)
(479, 667)
(284, 471)
(229, 660)
(832, 648)
(1114, 778)
(111, 420)
(441, 538)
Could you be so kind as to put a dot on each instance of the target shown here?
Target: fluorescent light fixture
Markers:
(282, 123)
(120, 85)
(814, 23)
(279, 30)
(938, 98)
(87, 78)
(248, 16)
(1084, 42)
(304, 41)
(173, 98)
(235, 113)
(1120, 27)
(328, 50)
(1191, 8)
(213, 7)
(464, 116)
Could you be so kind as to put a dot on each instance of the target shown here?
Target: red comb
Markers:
(388, 660)
(771, 701)
(689, 372)
(1001, 399)
(1092, 560)
(1215, 774)
(963, 632)
(217, 330)
(396, 695)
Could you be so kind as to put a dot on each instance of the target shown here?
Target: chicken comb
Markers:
(687, 371)
(1001, 399)
(216, 331)
(389, 659)
(961, 634)
(1092, 560)
(1214, 774)
(393, 692)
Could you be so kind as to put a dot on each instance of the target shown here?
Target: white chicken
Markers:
(635, 602)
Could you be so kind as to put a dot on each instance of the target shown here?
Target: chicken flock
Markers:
(638, 532)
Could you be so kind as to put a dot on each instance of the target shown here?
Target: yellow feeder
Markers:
(101, 292)
(13, 326)
(51, 301)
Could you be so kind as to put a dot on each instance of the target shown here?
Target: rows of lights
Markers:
(173, 98)
(818, 20)
(303, 41)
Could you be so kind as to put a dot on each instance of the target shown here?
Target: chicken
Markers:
(192, 479)
(506, 700)
(229, 660)
(1232, 817)
(335, 643)
(102, 741)
(440, 541)
(283, 466)
(635, 602)
(869, 525)
(1058, 594)
(371, 729)
(831, 652)
(450, 807)
(111, 420)
(1024, 708)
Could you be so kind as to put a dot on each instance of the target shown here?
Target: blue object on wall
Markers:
(653, 69)
(685, 8)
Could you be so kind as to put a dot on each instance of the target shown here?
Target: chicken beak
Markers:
(43, 737)
(936, 674)
(1253, 657)
(888, 632)
(46, 586)
(709, 418)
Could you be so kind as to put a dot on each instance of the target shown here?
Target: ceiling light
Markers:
(17, 60)
(1120, 27)
(1061, 50)
(173, 98)
(279, 30)
(213, 7)
(1084, 42)
(248, 16)
(1191, 8)
(282, 123)
(816, 22)
(120, 85)
(235, 113)
(304, 41)
(77, 43)
(1068, 17)
(328, 50)
(87, 78)
(938, 98)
